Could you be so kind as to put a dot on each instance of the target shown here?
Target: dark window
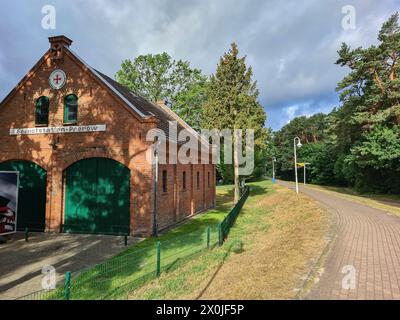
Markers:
(208, 179)
(42, 111)
(164, 181)
(198, 180)
(184, 180)
(71, 109)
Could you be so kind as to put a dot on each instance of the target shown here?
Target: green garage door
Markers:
(32, 194)
(97, 197)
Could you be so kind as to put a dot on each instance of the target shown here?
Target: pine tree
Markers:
(232, 103)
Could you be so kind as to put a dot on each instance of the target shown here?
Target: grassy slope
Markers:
(283, 237)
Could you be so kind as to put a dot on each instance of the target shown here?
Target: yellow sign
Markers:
(300, 164)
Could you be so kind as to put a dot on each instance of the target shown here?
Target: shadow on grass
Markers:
(133, 267)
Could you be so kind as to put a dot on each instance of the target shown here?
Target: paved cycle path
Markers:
(364, 259)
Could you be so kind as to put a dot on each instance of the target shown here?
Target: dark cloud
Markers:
(290, 44)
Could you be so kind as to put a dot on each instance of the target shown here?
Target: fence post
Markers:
(208, 237)
(67, 285)
(219, 234)
(26, 234)
(126, 240)
(158, 270)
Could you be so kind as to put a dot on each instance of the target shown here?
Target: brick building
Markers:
(78, 139)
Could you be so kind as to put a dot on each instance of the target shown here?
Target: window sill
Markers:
(70, 123)
(41, 125)
(164, 193)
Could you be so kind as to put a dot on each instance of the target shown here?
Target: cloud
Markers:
(290, 44)
(290, 112)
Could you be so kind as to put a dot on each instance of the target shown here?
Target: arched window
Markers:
(164, 181)
(42, 111)
(71, 109)
(184, 181)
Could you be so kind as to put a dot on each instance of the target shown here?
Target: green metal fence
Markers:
(229, 220)
(115, 278)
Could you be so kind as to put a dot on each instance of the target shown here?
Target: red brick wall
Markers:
(185, 208)
(123, 141)
(166, 200)
(179, 203)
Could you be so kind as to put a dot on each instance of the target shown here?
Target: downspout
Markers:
(155, 187)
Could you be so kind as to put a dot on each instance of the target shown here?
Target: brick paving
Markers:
(367, 239)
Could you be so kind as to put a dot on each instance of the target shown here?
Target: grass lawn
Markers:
(283, 236)
(277, 239)
(137, 264)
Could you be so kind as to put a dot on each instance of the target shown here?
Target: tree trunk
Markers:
(236, 164)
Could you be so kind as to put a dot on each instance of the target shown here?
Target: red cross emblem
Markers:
(57, 78)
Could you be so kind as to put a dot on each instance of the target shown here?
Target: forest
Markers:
(358, 143)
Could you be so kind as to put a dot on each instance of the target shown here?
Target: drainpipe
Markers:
(155, 197)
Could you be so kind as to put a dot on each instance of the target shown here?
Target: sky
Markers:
(291, 45)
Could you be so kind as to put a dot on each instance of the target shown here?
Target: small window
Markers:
(198, 180)
(71, 109)
(42, 111)
(184, 180)
(208, 179)
(164, 181)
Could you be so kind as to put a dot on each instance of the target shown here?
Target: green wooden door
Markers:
(31, 196)
(97, 197)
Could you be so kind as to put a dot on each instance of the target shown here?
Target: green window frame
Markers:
(198, 180)
(71, 109)
(42, 111)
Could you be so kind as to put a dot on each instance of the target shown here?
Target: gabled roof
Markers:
(143, 108)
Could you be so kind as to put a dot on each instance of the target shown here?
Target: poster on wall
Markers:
(9, 182)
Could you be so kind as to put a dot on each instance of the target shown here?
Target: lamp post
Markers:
(273, 169)
(305, 165)
(295, 146)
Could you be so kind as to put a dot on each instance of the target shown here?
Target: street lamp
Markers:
(295, 146)
(305, 165)
(273, 169)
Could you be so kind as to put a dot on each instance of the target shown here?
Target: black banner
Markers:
(8, 202)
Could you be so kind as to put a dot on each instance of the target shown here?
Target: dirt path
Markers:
(367, 244)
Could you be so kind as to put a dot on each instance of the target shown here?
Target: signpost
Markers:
(303, 165)
(9, 183)
(273, 169)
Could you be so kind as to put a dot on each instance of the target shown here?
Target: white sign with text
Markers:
(50, 130)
